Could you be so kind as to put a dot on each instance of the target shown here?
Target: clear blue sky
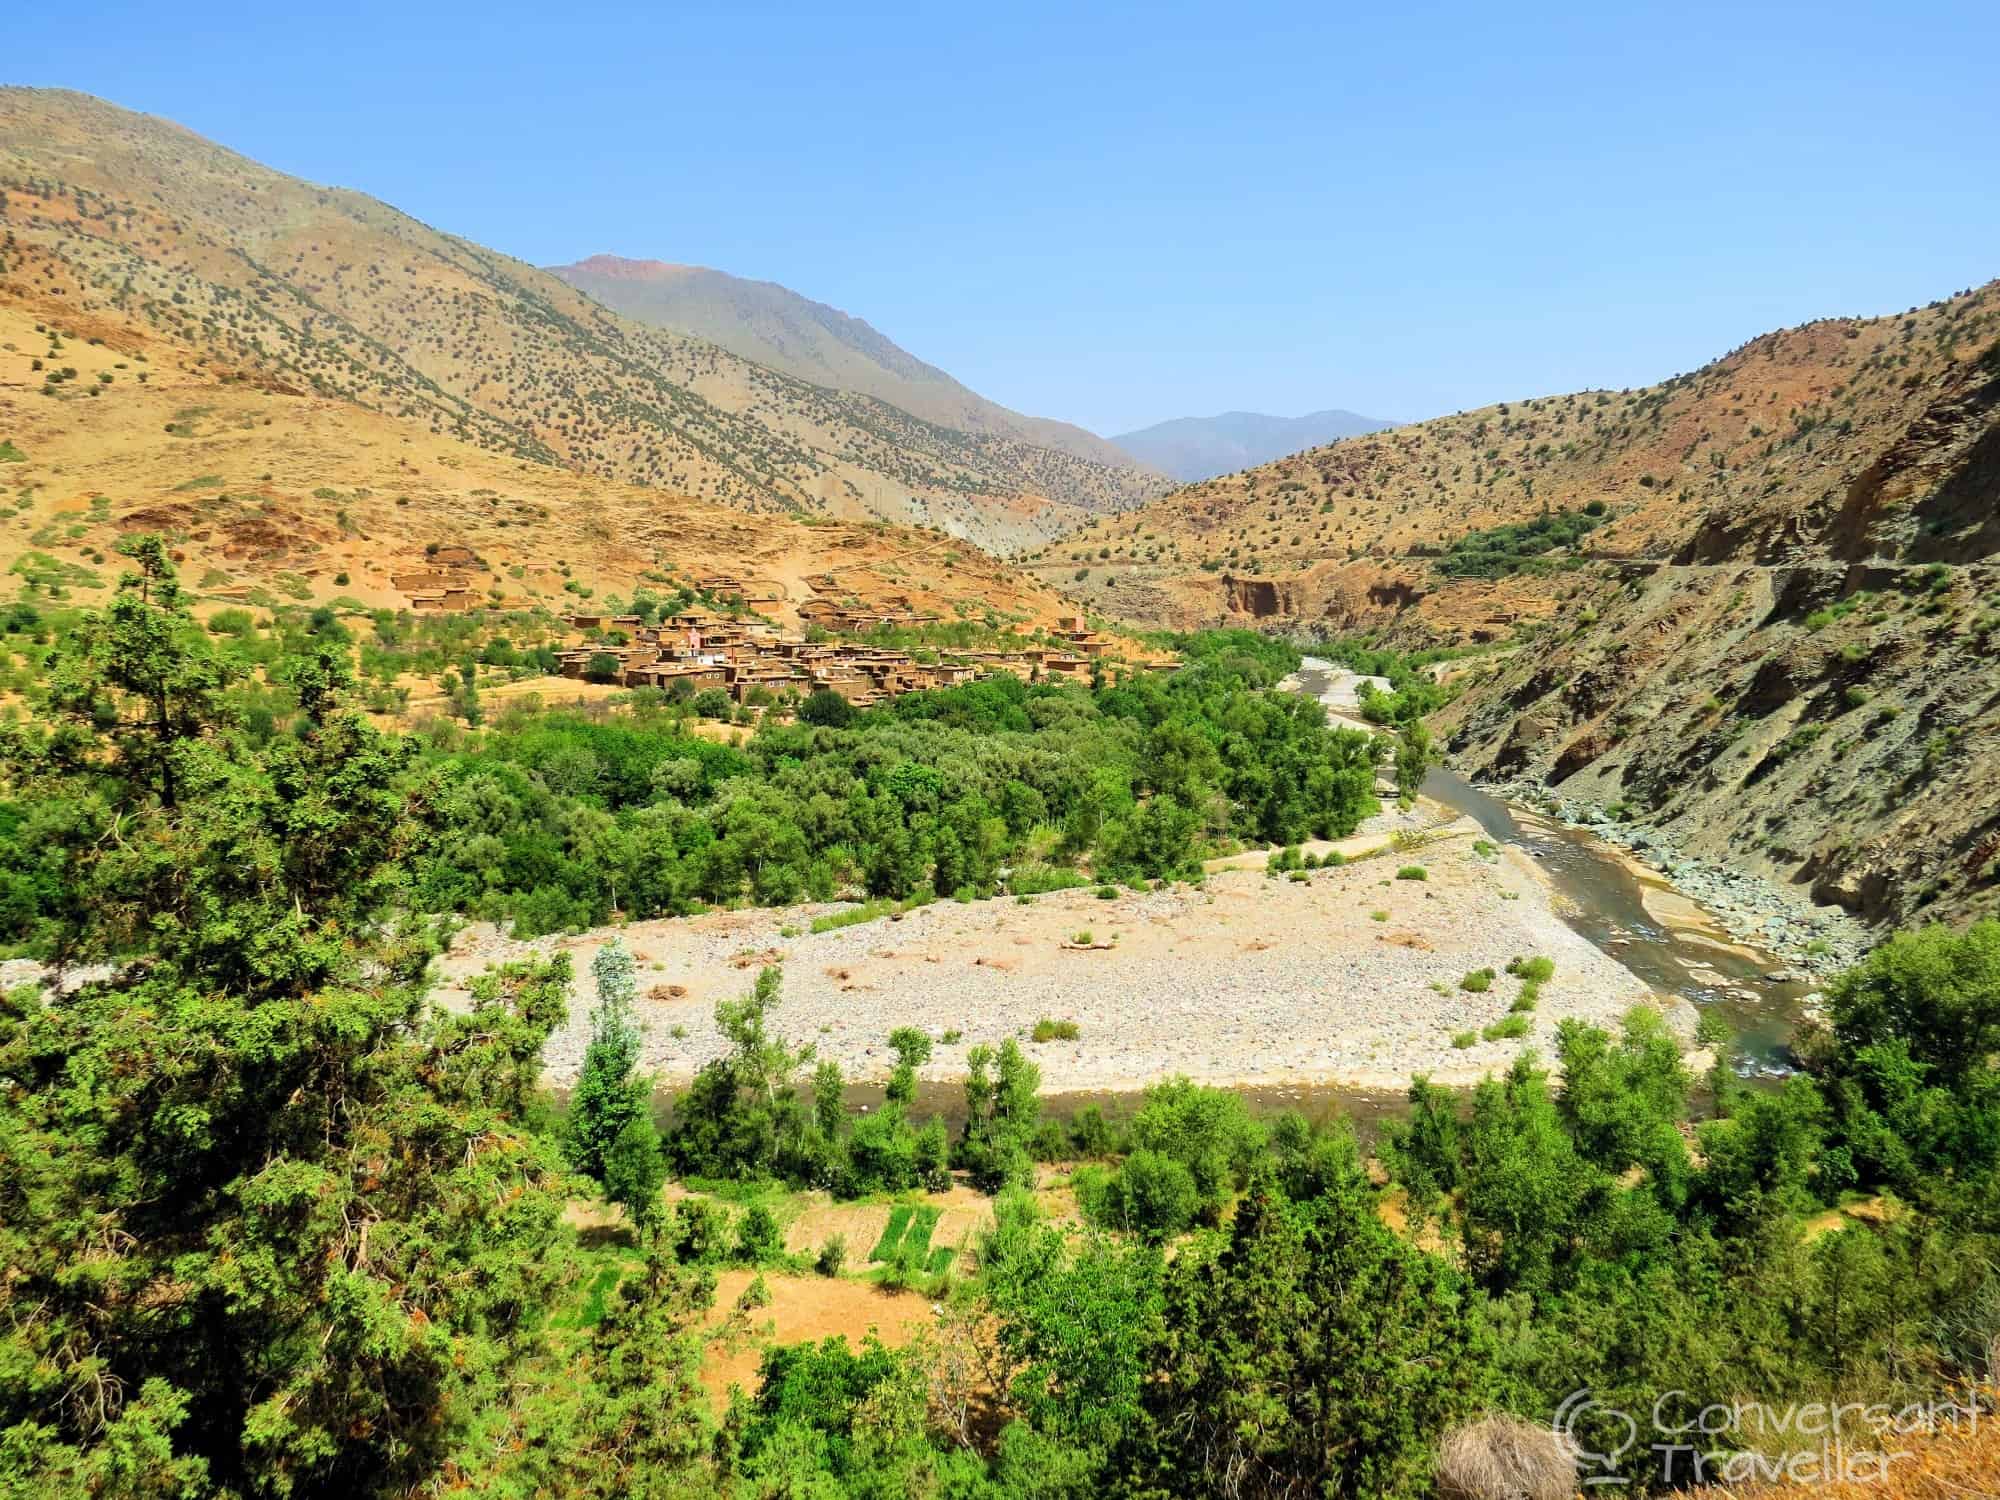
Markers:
(1118, 214)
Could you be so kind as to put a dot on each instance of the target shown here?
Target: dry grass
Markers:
(318, 488)
(1503, 1457)
(1960, 1463)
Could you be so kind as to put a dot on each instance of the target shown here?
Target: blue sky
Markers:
(1119, 214)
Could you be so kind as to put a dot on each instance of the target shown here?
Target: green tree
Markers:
(1908, 1069)
(826, 708)
(1316, 1353)
(271, 1225)
(1414, 758)
(1002, 1110)
(743, 1116)
(610, 1093)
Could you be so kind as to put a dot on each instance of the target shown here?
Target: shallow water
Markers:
(1602, 902)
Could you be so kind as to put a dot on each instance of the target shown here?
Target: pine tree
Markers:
(269, 1224)
(609, 1093)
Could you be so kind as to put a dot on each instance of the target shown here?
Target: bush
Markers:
(759, 1240)
(1047, 1030)
(699, 1233)
(1207, 1130)
(1507, 1029)
(832, 1255)
(1413, 872)
(1464, 1039)
(1090, 1132)
(1478, 982)
(634, 1172)
(1151, 1194)
(1533, 970)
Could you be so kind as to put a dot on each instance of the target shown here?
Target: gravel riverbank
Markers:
(1810, 940)
(1350, 977)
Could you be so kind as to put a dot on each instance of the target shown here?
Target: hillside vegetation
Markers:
(1781, 643)
(327, 292)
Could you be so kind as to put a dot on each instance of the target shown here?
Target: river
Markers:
(1603, 901)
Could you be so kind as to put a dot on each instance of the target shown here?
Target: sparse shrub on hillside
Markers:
(1413, 872)
(832, 1257)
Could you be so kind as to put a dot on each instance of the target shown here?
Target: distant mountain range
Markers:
(1192, 449)
(781, 330)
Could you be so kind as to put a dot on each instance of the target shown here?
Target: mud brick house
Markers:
(697, 649)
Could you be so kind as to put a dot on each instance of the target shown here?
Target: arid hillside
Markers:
(272, 494)
(1836, 439)
(773, 326)
(1780, 643)
(328, 292)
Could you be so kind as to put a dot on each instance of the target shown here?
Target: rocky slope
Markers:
(776, 327)
(328, 292)
(271, 494)
(1781, 647)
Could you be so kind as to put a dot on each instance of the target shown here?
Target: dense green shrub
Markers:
(1514, 548)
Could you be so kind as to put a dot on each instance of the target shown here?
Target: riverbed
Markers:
(1665, 938)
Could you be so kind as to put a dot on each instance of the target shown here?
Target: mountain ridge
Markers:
(1774, 635)
(773, 325)
(330, 291)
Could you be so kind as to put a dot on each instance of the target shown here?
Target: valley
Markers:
(614, 888)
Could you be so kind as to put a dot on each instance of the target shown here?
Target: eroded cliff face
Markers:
(1812, 692)
(1833, 726)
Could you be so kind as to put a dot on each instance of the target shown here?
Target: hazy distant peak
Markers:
(1196, 448)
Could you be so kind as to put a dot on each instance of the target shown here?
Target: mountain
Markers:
(1780, 644)
(778, 328)
(1192, 449)
(212, 352)
(326, 291)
